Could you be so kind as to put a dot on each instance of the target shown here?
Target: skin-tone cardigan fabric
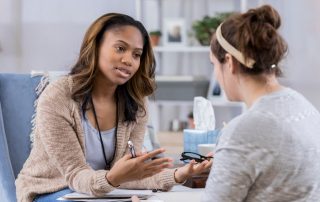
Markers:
(57, 159)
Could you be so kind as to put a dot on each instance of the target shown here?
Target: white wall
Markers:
(47, 34)
(302, 31)
(9, 34)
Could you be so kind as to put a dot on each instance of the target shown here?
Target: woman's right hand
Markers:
(129, 169)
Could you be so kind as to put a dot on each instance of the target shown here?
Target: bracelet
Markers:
(174, 176)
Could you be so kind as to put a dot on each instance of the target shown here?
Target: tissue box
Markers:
(191, 138)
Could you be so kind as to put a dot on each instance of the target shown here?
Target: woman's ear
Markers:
(231, 64)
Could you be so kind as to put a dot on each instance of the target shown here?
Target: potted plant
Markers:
(203, 29)
(155, 37)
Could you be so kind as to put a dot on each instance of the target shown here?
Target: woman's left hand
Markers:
(192, 168)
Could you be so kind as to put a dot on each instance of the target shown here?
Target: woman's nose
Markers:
(127, 60)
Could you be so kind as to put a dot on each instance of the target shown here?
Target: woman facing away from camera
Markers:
(84, 121)
(271, 152)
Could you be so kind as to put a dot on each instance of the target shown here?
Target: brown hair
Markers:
(129, 95)
(254, 33)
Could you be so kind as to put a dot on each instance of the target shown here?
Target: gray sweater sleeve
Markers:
(241, 154)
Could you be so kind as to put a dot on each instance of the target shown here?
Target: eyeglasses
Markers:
(188, 156)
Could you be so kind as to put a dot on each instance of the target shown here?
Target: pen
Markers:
(131, 148)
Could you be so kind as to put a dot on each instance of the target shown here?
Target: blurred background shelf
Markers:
(180, 88)
(183, 69)
(191, 49)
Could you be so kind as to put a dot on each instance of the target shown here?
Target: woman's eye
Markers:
(137, 55)
(120, 48)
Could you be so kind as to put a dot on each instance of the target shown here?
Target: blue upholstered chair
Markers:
(17, 95)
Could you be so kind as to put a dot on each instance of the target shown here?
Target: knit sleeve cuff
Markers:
(167, 179)
(101, 184)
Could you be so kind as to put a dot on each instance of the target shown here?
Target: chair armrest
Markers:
(7, 186)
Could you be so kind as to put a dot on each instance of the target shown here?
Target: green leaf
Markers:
(204, 28)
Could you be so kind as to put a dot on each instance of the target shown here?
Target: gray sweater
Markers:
(269, 153)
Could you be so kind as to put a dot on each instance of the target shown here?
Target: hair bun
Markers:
(254, 34)
(267, 14)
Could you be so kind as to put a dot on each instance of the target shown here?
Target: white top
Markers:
(94, 151)
(269, 153)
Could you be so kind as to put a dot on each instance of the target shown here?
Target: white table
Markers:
(178, 193)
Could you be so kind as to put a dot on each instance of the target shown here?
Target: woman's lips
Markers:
(123, 71)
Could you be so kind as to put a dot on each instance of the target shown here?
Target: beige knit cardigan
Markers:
(57, 159)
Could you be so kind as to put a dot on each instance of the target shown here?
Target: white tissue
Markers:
(203, 114)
